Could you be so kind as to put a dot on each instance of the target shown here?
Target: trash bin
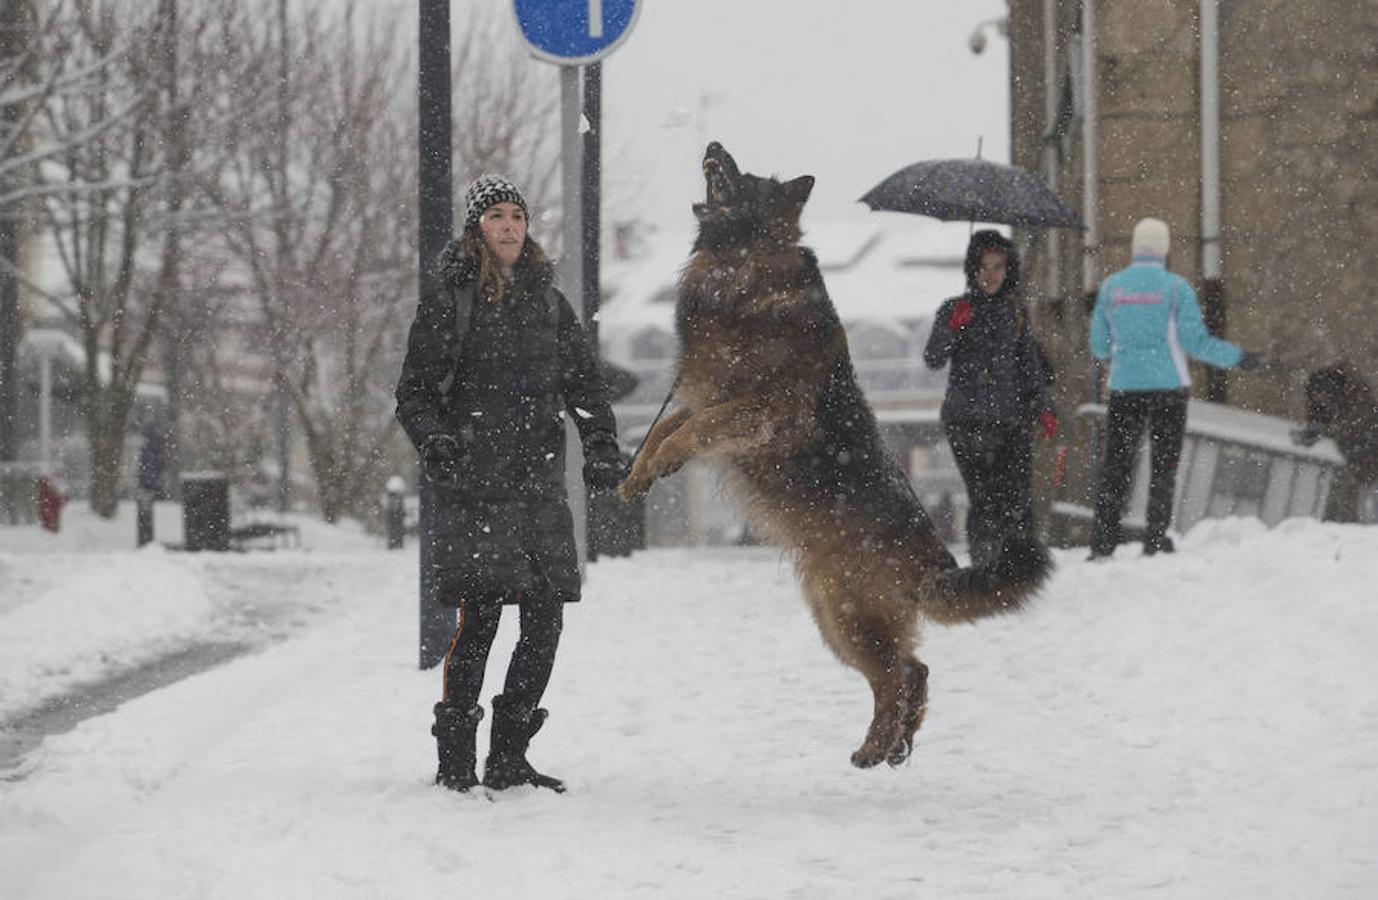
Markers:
(205, 511)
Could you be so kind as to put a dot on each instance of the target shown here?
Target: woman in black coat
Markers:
(996, 391)
(496, 360)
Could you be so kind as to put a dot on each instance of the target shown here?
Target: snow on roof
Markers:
(61, 346)
(53, 341)
(887, 271)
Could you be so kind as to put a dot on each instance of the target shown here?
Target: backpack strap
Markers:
(463, 299)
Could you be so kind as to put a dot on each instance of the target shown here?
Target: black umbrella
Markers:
(973, 190)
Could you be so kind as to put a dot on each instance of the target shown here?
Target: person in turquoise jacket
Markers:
(1146, 323)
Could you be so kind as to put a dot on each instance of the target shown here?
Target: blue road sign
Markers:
(573, 32)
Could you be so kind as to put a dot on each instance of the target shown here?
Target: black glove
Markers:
(1249, 362)
(441, 455)
(605, 471)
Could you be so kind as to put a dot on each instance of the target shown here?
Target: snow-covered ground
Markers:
(1199, 725)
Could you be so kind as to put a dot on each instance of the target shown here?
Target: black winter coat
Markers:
(998, 373)
(503, 391)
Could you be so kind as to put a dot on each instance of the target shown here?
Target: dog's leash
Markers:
(658, 414)
(839, 344)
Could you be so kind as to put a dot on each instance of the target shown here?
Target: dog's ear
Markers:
(799, 189)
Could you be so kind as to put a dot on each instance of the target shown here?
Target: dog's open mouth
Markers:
(717, 197)
(719, 188)
(719, 193)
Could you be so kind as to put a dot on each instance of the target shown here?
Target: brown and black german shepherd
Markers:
(766, 388)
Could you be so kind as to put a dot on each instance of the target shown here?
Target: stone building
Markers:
(1274, 210)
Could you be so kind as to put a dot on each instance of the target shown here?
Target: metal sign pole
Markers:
(570, 33)
(572, 276)
(571, 184)
(592, 196)
(435, 225)
(592, 220)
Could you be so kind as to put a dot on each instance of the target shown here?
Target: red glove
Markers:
(961, 315)
(1047, 423)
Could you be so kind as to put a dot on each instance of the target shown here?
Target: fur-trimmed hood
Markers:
(989, 239)
(457, 266)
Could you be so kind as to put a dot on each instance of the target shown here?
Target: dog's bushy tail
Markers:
(1001, 586)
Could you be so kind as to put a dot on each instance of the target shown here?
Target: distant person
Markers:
(1146, 323)
(496, 360)
(1342, 405)
(152, 462)
(997, 392)
(152, 459)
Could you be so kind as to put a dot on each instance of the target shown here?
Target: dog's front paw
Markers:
(633, 486)
(664, 465)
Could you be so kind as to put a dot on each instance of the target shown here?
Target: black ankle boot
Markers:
(1158, 544)
(455, 730)
(506, 765)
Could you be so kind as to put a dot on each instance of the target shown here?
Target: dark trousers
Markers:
(542, 618)
(1165, 415)
(996, 462)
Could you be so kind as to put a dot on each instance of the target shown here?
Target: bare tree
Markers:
(341, 387)
(213, 359)
(118, 204)
(33, 71)
(505, 113)
(29, 78)
(96, 207)
(322, 211)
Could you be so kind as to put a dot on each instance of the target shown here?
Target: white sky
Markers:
(847, 92)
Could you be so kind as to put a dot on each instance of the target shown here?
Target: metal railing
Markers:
(875, 376)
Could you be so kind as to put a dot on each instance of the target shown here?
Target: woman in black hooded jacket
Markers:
(495, 361)
(996, 390)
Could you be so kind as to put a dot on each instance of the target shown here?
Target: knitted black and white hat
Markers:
(487, 190)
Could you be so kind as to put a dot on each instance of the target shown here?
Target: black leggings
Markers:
(542, 618)
(996, 462)
(1164, 413)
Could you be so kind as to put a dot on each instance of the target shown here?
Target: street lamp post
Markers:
(977, 39)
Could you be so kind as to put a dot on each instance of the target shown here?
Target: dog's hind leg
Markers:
(916, 704)
(878, 647)
(886, 671)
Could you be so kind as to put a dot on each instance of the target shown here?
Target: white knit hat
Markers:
(1151, 236)
(487, 190)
